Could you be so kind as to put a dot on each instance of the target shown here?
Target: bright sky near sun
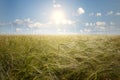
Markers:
(59, 16)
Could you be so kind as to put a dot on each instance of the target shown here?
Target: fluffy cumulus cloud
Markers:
(34, 24)
(68, 22)
(98, 14)
(100, 23)
(18, 29)
(22, 22)
(64, 22)
(28, 23)
(57, 6)
(95, 14)
(90, 24)
(113, 13)
(80, 11)
(85, 30)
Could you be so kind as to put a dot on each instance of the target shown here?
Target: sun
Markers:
(58, 16)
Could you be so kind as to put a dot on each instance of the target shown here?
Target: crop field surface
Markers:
(59, 57)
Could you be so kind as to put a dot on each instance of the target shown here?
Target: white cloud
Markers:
(100, 23)
(95, 14)
(18, 22)
(22, 22)
(86, 24)
(57, 6)
(35, 25)
(110, 13)
(18, 29)
(68, 22)
(98, 14)
(81, 31)
(80, 11)
(85, 30)
(63, 22)
(117, 14)
(90, 24)
(28, 23)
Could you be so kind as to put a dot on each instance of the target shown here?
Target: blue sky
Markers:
(80, 16)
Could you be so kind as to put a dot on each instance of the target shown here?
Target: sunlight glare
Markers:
(58, 16)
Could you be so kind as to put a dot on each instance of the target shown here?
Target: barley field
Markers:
(59, 57)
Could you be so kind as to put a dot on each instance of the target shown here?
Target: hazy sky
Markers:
(59, 16)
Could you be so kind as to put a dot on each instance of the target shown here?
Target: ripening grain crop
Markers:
(62, 57)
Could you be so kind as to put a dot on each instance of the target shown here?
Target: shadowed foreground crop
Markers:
(74, 57)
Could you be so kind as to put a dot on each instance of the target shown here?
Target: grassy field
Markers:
(62, 57)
